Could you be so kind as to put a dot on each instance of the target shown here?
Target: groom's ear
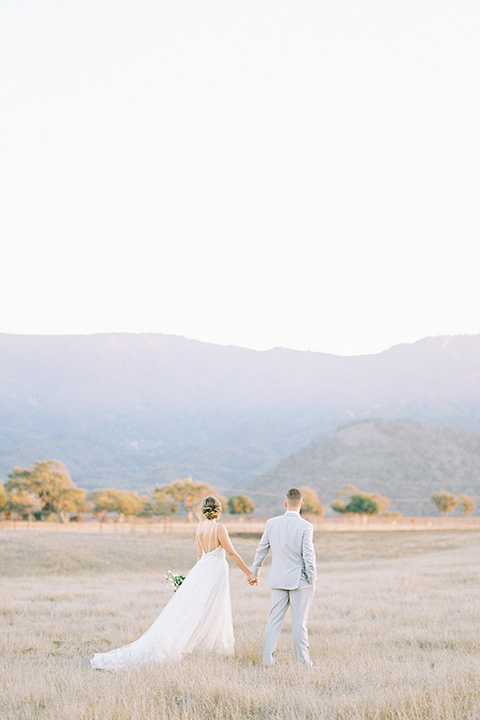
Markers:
(285, 503)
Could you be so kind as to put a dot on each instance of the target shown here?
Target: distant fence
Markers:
(363, 522)
(243, 526)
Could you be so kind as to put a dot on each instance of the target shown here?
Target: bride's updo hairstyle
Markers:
(211, 508)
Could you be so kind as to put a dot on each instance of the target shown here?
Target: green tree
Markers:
(445, 502)
(340, 504)
(240, 505)
(311, 503)
(360, 503)
(188, 493)
(147, 508)
(363, 504)
(467, 504)
(50, 482)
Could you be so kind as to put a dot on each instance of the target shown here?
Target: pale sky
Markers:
(261, 173)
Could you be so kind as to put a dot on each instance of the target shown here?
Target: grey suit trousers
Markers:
(299, 601)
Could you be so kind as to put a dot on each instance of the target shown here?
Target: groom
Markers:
(292, 575)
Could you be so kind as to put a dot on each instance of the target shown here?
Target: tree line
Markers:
(47, 489)
(351, 501)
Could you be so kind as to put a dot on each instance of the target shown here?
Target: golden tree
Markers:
(3, 499)
(109, 500)
(311, 503)
(188, 493)
(50, 482)
(467, 504)
(444, 501)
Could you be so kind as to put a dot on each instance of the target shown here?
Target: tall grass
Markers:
(394, 631)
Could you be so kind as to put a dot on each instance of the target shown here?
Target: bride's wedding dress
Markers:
(199, 614)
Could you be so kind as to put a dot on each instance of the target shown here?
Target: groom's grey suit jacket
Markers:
(293, 556)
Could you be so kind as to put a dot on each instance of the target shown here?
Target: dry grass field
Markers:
(394, 630)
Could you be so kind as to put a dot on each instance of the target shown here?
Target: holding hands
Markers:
(252, 579)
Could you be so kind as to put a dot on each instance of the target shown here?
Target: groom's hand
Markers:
(252, 579)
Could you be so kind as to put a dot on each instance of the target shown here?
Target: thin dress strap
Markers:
(198, 536)
(214, 527)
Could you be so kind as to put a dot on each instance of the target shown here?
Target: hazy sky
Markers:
(262, 173)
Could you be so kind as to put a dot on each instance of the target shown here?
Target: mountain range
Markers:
(132, 411)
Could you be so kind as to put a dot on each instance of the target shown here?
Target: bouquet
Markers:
(174, 581)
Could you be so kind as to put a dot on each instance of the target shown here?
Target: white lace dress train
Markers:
(199, 614)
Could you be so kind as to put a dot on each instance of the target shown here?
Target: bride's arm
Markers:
(225, 541)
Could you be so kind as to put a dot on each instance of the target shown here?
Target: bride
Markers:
(199, 613)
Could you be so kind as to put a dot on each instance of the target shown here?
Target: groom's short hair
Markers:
(294, 496)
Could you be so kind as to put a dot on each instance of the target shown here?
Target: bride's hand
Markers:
(252, 579)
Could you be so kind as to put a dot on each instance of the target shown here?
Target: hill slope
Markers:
(401, 459)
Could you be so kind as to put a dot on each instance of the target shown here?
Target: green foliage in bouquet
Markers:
(174, 581)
